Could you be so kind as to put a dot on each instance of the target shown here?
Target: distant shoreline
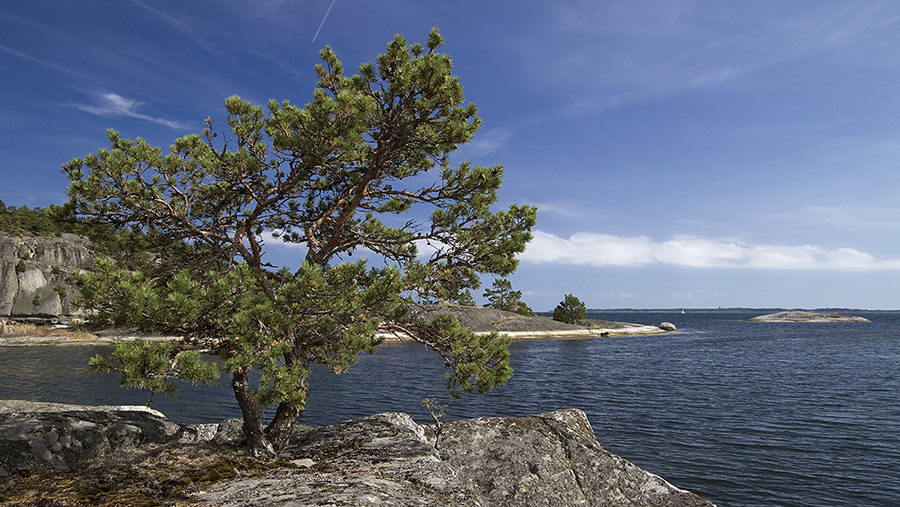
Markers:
(479, 320)
(63, 339)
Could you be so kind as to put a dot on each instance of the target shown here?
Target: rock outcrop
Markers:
(34, 273)
(34, 434)
(667, 326)
(799, 316)
(485, 320)
(385, 459)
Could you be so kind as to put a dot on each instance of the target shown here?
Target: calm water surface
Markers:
(742, 413)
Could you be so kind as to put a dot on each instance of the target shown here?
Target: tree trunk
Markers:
(282, 425)
(279, 430)
(257, 442)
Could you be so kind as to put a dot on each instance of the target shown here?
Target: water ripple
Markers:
(742, 413)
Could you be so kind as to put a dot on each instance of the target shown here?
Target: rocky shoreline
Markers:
(480, 320)
(17, 335)
(67, 455)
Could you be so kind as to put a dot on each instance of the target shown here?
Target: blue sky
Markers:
(683, 154)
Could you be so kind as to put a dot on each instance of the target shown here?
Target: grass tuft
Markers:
(166, 482)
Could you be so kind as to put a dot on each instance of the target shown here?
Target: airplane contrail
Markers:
(323, 21)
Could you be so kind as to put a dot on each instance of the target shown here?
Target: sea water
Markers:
(742, 413)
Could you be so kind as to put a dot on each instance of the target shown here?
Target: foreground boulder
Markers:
(386, 459)
(34, 434)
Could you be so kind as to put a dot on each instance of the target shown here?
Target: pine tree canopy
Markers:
(363, 167)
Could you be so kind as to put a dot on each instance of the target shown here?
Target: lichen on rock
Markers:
(384, 459)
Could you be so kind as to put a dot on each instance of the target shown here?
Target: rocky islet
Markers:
(803, 316)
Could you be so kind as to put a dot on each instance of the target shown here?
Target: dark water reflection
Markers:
(742, 413)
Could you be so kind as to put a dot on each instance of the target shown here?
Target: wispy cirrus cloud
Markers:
(485, 143)
(606, 250)
(193, 33)
(36, 60)
(112, 104)
(655, 49)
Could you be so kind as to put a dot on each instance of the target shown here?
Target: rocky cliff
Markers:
(34, 273)
(386, 459)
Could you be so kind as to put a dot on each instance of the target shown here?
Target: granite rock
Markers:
(385, 459)
(59, 435)
(34, 273)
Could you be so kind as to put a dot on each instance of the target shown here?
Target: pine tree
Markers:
(503, 297)
(570, 310)
(341, 175)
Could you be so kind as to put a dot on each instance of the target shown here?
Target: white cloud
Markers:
(323, 21)
(112, 104)
(605, 250)
(269, 238)
(425, 248)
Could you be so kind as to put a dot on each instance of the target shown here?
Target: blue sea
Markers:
(741, 413)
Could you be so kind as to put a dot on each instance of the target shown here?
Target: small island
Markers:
(518, 326)
(802, 316)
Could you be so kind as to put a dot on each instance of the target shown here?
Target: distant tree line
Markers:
(37, 221)
(129, 247)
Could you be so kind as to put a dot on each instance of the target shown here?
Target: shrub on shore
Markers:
(570, 310)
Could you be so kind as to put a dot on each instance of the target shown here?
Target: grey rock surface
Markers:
(34, 273)
(35, 434)
(550, 459)
(667, 326)
(386, 459)
(484, 320)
